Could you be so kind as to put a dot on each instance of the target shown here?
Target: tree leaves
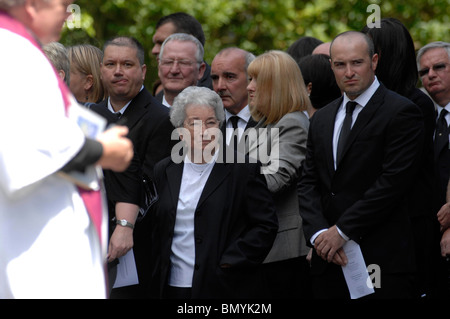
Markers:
(254, 25)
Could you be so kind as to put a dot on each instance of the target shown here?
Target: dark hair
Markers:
(316, 69)
(303, 47)
(184, 23)
(131, 42)
(397, 68)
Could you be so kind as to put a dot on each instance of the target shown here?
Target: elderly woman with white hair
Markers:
(214, 221)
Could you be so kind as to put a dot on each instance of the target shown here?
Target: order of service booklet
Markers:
(92, 125)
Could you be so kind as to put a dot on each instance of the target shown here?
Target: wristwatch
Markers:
(125, 223)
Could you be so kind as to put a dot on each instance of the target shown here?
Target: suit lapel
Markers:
(174, 174)
(328, 131)
(218, 174)
(137, 108)
(251, 123)
(365, 116)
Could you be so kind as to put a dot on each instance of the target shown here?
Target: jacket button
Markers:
(196, 267)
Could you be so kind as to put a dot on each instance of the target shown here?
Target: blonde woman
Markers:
(86, 83)
(278, 100)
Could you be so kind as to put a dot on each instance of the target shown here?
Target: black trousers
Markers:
(171, 292)
(288, 279)
(331, 285)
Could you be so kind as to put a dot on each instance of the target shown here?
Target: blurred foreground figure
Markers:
(52, 235)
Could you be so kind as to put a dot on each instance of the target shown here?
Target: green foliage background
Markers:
(254, 25)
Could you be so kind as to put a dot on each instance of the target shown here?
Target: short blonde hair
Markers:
(280, 86)
(86, 59)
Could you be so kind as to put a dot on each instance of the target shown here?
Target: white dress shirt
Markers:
(244, 116)
(183, 244)
(447, 116)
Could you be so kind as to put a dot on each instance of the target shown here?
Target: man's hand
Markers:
(443, 216)
(121, 240)
(329, 244)
(117, 149)
(445, 243)
(120, 243)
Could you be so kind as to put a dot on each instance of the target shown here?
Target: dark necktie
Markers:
(441, 135)
(346, 128)
(234, 121)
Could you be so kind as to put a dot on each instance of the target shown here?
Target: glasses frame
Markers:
(438, 67)
(182, 64)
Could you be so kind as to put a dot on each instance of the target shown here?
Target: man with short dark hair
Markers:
(123, 73)
(230, 80)
(353, 189)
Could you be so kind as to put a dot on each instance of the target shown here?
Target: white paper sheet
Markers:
(355, 272)
(126, 271)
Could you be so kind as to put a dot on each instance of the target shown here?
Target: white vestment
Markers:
(48, 245)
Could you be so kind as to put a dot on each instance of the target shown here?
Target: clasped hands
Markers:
(328, 246)
(443, 217)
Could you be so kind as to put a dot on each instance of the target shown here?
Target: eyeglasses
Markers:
(199, 124)
(439, 67)
(183, 64)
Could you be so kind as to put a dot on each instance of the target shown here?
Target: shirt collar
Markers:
(365, 97)
(440, 108)
(123, 109)
(244, 114)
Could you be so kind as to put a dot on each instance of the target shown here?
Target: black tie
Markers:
(234, 120)
(441, 135)
(346, 128)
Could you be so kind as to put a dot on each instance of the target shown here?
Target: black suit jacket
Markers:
(442, 173)
(365, 195)
(235, 224)
(421, 197)
(150, 131)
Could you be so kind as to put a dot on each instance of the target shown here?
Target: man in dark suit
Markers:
(123, 73)
(434, 69)
(230, 80)
(356, 190)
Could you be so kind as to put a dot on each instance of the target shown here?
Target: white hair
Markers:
(194, 95)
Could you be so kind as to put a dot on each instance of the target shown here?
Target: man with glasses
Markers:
(180, 65)
(433, 61)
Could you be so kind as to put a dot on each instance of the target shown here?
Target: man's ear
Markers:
(201, 71)
(374, 61)
(31, 8)
(62, 74)
(144, 71)
(309, 87)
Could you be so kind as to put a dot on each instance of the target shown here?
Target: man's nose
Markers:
(118, 69)
(349, 71)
